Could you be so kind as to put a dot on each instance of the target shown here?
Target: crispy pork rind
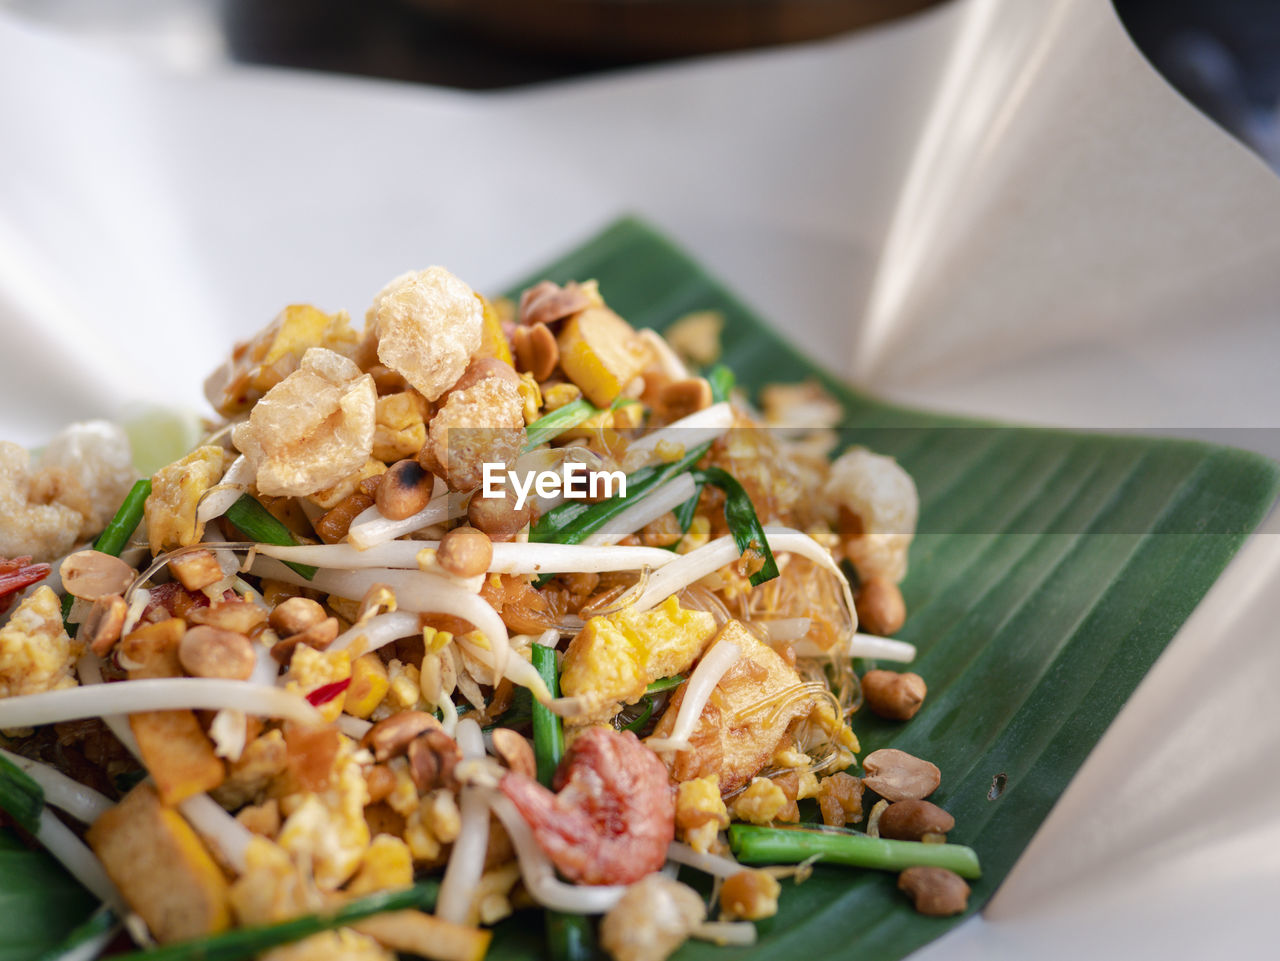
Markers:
(876, 491)
(274, 353)
(66, 496)
(428, 324)
(478, 424)
(36, 654)
(312, 429)
(175, 494)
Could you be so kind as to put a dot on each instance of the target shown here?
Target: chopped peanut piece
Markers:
(428, 324)
(601, 353)
(311, 430)
(164, 872)
(749, 896)
(175, 494)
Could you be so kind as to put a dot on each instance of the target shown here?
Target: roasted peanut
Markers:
(749, 896)
(684, 397)
(213, 652)
(196, 570)
(935, 891)
(295, 615)
(91, 574)
(405, 489)
(390, 737)
(241, 616)
(547, 302)
(536, 350)
(432, 757)
(898, 776)
(912, 819)
(514, 751)
(318, 636)
(892, 695)
(880, 607)
(497, 516)
(101, 628)
(465, 551)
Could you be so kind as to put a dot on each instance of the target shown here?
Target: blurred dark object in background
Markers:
(1222, 55)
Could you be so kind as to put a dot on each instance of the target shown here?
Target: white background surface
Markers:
(996, 208)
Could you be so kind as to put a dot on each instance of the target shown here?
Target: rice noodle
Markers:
(717, 865)
(370, 527)
(540, 876)
(66, 794)
(698, 689)
(862, 645)
(466, 860)
(688, 432)
(508, 558)
(202, 812)
(786, 629)
(644, 511)
(74, 855)
(153, 694)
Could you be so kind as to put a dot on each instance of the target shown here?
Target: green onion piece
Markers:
(744, 524)
(552, 425)
(761, 845)
(101, 922)
(570, 937)
(685, 513)
(639, 722)
(721, 380)
(20, 796)
(548, 733)
(121, 527)
(247, 942)
(572, 522)
(665, 684)
(259, 524)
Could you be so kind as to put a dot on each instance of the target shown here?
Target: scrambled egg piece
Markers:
(746, 717)
(387, 864)
(700, 812)
(272, 888)
(428, 324)
(435, 822)
(310, 669)
(274, 352)
(327, 829)
(312, 429)
(614, 658)
(761, 802)
(35, 652)
(878, 500)
(401, 428)
(343, 943)
(175, 494)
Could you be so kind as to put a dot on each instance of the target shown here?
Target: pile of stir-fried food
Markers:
(345, 676)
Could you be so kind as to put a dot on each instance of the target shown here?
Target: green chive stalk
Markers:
(761, 845)
(259, 524)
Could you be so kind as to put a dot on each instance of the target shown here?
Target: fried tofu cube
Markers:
(613, 659)
(158, 863)
(175, 750)
(746, 717)
(601, 353)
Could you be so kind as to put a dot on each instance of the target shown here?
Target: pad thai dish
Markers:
(487, 610)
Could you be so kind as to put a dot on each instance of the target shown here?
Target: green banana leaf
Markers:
(1051, 570)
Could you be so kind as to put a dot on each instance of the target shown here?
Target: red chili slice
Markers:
(327, 692)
